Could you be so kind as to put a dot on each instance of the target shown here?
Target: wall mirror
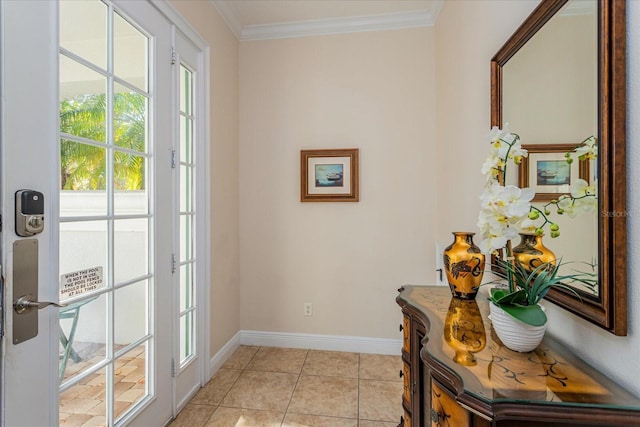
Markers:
(557, 81)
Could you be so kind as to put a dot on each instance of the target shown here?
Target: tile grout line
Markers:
(358, 393)
(221, 399)
(242, 371)
(286, 410)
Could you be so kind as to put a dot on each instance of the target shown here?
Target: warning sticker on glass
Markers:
(80, 282)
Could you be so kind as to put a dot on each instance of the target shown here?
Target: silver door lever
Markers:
(24, 304)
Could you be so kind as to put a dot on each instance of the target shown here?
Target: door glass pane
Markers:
(185, 90)
(130, 307)
(186, 336)
(82, 101)
(131, 254)
(83, 336)
(130, 379)
(129, 119)
(83, 27)
(185, 188)
(131, 202)
(84, 404)
(83, 167)
(75, 238)
(186, 287)
(186, 237)
(129, 53)
(128, 172)
(186, 138)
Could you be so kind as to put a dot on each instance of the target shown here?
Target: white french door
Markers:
(96, 140)
(190, 220)
(114, 124)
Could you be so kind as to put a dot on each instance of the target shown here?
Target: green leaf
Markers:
(530, 314)
(499, 296)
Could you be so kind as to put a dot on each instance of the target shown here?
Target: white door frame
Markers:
(203, 152)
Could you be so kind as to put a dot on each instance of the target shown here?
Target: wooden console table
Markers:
(457, 373)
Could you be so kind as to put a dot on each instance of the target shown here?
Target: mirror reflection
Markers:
(550, 99)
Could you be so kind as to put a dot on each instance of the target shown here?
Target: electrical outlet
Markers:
(308, 309)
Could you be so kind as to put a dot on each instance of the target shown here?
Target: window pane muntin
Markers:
(186, 243)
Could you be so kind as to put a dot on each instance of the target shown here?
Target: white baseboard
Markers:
(224, 354)
(322, 342)
(308, 341)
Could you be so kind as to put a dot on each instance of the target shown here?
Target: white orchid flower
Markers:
(582, 188)
(588, 149)
(502, 210)
(490, 166)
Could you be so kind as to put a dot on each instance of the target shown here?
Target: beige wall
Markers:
(373, 91)
(468, 34)
(383, 92)
(225, 297)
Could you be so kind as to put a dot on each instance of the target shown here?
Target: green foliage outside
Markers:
(83, 166)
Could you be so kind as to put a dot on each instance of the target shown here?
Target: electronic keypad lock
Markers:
(29, 212)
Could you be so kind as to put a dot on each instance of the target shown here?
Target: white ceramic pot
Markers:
(514, 334)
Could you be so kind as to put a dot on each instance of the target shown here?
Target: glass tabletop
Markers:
(461, 338)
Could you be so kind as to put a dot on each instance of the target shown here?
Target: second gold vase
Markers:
(532, 253)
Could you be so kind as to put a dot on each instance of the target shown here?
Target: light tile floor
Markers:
(272, 387)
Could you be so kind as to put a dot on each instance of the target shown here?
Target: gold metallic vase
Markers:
(464, 331)
(464, 265)
(532, 253)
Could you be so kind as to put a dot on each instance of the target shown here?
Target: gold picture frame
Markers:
(546, 171)
(329, 175)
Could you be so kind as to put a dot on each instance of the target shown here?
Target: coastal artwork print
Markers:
(546, 170)
(329, 175)
(553, 172)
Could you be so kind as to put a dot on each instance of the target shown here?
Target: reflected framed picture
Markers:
(329, 175)
(547, 172)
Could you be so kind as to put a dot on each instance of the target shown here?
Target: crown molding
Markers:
(320, 27)
(229, 17)
(316, 27)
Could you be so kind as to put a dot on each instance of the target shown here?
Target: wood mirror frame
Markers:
(609, 309)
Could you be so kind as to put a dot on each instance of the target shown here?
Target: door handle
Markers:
(24, 304)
